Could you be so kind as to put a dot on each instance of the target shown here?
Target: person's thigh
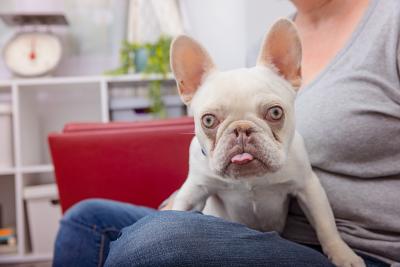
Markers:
(173, 238)
(87, 229)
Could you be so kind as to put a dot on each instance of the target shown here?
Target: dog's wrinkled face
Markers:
(244, 118)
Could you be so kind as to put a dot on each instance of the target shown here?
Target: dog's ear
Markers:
(190, 64)
(281, 49)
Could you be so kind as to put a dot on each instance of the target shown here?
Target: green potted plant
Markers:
(149, 58)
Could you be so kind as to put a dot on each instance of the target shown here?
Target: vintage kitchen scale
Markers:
(34, 50)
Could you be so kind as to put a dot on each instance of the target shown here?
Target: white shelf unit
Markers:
(41, 106)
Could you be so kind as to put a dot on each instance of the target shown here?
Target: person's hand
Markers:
(170, 203)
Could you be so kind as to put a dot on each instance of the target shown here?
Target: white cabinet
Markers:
(44, 105)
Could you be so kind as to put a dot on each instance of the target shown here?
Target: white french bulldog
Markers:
(246, 159)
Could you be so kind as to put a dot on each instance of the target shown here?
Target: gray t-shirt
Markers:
(349, 117)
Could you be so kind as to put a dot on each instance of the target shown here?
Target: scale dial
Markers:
(31, 54)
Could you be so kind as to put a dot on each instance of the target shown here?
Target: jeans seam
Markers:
(101, 250)
(82, 225)
(102, 243)
(90, 226)
(96, 229)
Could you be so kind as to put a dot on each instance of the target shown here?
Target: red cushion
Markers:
(95, 126)
(140, 163)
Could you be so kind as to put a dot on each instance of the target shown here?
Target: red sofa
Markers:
(136, 162)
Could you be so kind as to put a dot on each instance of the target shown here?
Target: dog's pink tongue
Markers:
(242, 158)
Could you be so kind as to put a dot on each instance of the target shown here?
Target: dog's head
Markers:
(244, 118)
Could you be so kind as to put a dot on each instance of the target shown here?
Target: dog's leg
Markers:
(191, 196)
(314, 202)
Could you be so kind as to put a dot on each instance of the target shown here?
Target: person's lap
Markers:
(118, 234)
(87, 229)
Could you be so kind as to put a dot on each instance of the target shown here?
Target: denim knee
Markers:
(83, 212)
(103, 214)
(156, 240)
(88, 227)
(174, 238)
(160, 227)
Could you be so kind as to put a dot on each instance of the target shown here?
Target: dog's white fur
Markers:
(256, 193)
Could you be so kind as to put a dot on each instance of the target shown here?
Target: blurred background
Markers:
(104, 61)
(230, 30)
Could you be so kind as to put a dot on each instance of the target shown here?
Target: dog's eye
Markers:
(274, 114)
(209, 121)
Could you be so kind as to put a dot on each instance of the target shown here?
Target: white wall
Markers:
(219, 25)
(260, 15)
(232, 30)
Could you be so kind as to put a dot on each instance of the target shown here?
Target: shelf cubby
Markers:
(44, 168)
(4, 171)
(6, 99)
(8, 217)
(32, 179)
(48, 109)
(7, 201)
(44, 105)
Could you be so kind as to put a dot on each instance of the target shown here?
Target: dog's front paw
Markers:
(182, 205)
(342, 256)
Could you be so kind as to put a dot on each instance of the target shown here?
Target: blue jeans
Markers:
(102, 232)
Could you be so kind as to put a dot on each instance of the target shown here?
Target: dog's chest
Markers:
(258, 207)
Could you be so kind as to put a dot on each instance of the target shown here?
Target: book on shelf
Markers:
(8, 242)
